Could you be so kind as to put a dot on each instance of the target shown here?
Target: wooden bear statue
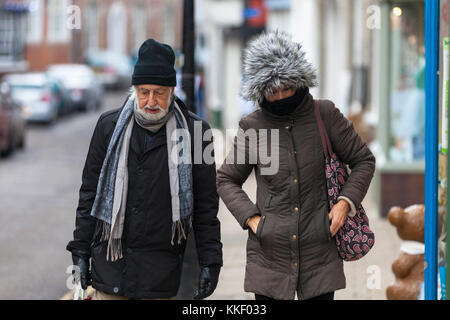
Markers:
(409, 266)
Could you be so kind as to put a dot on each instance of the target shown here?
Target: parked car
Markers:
(41, 98)
(113, 69)
(12, 123)
(84, 89)
(65, 106)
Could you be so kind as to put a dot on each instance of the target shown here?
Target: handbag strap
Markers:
(326, 144)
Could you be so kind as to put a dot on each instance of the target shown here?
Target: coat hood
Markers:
(273, 59)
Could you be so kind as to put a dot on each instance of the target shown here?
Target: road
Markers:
(38, 198)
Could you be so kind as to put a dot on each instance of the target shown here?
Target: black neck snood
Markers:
(286, 106)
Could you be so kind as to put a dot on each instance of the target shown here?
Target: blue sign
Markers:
(15, 7)
(250, 13)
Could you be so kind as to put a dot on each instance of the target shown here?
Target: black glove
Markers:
(209, 276)
(85, 275)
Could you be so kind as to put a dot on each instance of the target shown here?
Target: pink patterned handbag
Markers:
(354, 239)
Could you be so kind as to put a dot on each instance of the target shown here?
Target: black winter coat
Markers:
(151, 266)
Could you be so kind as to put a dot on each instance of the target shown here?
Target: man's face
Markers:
(154, 96)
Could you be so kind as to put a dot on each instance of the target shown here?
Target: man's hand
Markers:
(209, 276)
(253, 223)
(338, 215)
(84, 276)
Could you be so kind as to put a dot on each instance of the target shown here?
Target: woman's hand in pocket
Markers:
(338, 215)
(253, 223)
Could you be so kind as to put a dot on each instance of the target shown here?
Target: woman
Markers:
(290, 245)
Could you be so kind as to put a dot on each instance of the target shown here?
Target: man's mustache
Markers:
(154, 108)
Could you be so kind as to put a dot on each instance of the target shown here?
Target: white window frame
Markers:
(92, 18)
(35, 21)
(140, 25)
(117, 23)
(57, 31)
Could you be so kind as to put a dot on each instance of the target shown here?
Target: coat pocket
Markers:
(260, 228)
(96, 239)
(268, 201)
(327, 225)
(265, 238)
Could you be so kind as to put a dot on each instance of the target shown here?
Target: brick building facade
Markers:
(61, 31)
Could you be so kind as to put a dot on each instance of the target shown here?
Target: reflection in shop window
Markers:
(407, 82)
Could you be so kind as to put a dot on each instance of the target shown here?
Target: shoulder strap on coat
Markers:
(326, 144)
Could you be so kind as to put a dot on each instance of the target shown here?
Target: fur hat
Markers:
(273, 59)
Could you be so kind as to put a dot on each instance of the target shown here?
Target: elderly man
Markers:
(139, 200)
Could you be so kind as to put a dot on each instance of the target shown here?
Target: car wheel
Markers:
(7, 152)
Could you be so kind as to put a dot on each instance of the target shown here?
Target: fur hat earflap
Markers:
(273, 59)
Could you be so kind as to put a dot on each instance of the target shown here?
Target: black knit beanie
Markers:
(155, 65)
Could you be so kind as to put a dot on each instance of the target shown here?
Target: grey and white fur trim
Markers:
(273, 59)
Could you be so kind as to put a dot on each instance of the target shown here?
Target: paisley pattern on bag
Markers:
(354, 239)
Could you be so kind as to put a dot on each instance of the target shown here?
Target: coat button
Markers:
(116, 290)
(294, 237)
(295, 181)
(296, 210)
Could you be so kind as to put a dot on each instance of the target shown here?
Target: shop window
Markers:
(407, 82)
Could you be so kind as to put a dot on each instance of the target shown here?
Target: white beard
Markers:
(148, 116)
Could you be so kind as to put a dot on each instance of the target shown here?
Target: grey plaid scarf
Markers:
(110, 200)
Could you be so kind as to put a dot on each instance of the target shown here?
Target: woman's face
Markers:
(283, 92)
